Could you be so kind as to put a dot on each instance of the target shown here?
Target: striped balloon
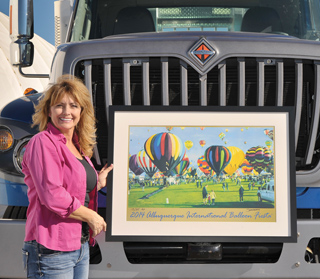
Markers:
(259, 157)
(218, 157)
(165, 150)
(246, 170)
(182, 167)
(133, 165)
(146, 164)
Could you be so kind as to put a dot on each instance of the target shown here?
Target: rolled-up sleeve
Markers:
(46, 169)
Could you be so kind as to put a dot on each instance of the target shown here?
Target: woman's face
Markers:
(65, 115)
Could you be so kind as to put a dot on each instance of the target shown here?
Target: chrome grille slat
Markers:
(260, 82)
(203, 90)
(241, 81)
(165, 81)
(184, 83)
(126, 83)
(146, 83)
(280, 81)
(107, 86)
(299, 85)
(222, 83)
(88, 83)
(315, 115)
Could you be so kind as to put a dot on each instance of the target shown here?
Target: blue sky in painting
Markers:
(241, 137)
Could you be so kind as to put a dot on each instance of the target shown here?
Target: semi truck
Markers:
(203, 53)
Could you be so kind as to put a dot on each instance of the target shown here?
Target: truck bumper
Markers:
(114, 264)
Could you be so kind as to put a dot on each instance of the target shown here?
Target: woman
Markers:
(62, 184)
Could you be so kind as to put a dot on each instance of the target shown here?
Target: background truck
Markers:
(177, 53)
(266, 192)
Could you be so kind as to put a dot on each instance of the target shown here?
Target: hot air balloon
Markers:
(204, 167)
(217, 157)
(237, 158)
(259, 157)
(268, 143)
(182, 167)
(201, 128)
(246, 170)
(266, 131)
(202, 143)
(270, 134)
(188, 144)
(133, 165)
(221, 136)
(158, 174)
(245, 163)
(169, 128)
(165, 150)
(146, 164)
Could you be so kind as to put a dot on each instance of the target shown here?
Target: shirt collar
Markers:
(56, 133)
(59, 136)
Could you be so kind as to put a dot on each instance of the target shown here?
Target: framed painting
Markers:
(201, 174)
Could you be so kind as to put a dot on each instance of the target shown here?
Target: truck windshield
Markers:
(100, 18)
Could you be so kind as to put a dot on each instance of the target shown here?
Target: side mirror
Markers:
(21, 31)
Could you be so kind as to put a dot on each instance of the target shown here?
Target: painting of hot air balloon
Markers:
(146, 164)
(222, 135)
(246, 170)
(217, 157)
(182, 167)
(259, 157)
(237, 158)
(270, 134)
(202, 143)
(204, 167)
(165, 150)
(188, 144)
(133, 165)
(269, 143)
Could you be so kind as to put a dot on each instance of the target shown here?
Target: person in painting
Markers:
(212, 197)
(204, 194)
(241, 192)
(62, 184)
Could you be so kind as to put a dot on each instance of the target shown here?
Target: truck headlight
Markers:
(6, 139)
(19, 152)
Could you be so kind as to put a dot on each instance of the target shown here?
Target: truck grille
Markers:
(244, 81)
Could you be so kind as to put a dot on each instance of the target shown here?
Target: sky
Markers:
(43, 17)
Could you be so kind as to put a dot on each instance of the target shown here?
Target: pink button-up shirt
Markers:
(56, 183)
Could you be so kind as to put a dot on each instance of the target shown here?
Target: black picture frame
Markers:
(208, 224)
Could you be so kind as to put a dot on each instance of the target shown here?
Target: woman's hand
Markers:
(102, 177)
(97, 224)
(94, 220)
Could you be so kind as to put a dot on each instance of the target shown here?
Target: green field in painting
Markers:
(189, 196)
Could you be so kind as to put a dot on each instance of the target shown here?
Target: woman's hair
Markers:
(74, 87)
